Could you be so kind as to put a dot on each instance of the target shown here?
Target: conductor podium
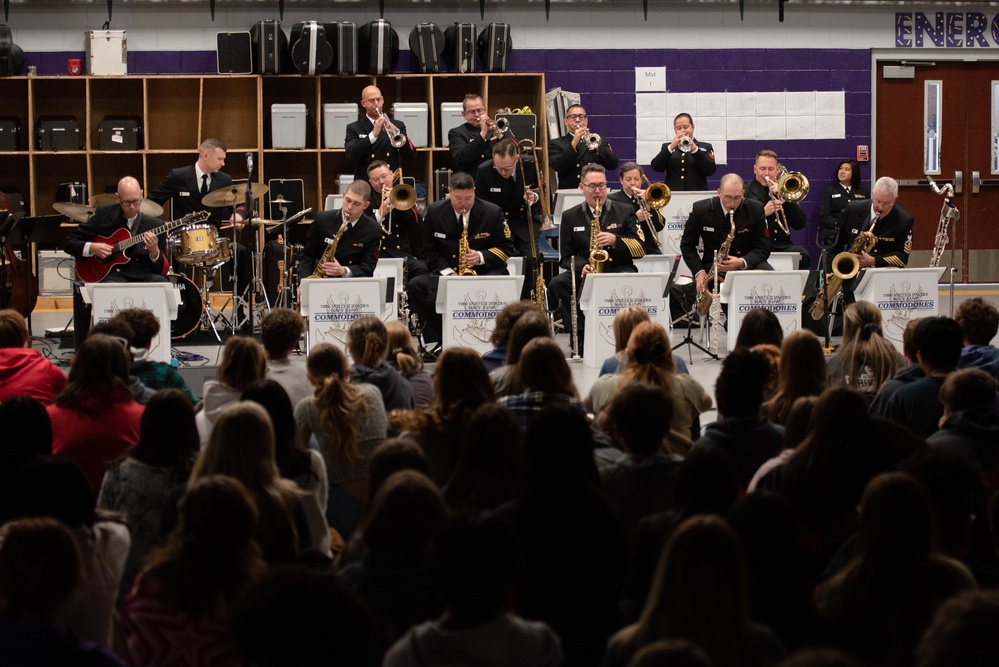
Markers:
(776, 291)
(900, 295)
(329, 305)
(469, 306)
(604, 294)
(107, 299)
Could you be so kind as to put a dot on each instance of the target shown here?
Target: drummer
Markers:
(187, 186)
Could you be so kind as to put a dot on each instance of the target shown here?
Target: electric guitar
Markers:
(94, 269)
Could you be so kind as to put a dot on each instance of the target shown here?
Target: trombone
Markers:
(401, 196)
(396, 137)
(656, 196)
(791, 186)
(538, 291)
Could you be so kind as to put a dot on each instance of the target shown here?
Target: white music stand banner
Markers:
(391, 267)
(656, 263)
(331, 304)
(901, 295)
(675, 213)
(604, 294)
(469, 306)
(108, 299)
(784, 261)
(777, 291)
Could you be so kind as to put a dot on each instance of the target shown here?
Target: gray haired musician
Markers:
(893, 228)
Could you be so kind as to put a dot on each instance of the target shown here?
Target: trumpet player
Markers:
(618, 235)
(568, 154)
(893, 228)
(489, 246)
(471, 144)
(370, 138)
(686, 161)
(782, 217)
(397, 224)
(357, 248)
(650, 220)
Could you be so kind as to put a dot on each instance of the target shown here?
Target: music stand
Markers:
(28, 230)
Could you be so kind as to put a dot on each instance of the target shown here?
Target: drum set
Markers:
(196, 253)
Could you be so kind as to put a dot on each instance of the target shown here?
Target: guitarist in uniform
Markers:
(146, 261)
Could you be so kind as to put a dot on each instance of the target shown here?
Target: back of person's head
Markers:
(707, 482)
(859, 317)
(144, 325)
(968, 388)
(461, 379)
(391, 456)
(294, 616)
(797, 420)
(241, 445)
(938, 342)
(870, 359)
(772, 354)
(670, 653)
(542, 367)
(243, 362)
(405, 515)
(953, 484)
(168, 434)
(13, 329)
(98, 376)
(506, 318)
(639, 418)
(402, 352)
(27, 432)
(56, 488)
(490, 461)
(116, 328)
(40, 567)
(367, 341)
(325, 360)
(821, 657)
(280, 331)
(649, 348)
(625, 321)
(475, 563)
(908, 343)
(218, 511)
(963, 632)
(532, 324)
(802, 365)
(739, 388)
(979, 321)
(759, 326)
(558, 446)
(291, 459)
(895, 522)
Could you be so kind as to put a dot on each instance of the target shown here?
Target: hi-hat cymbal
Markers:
(255, 222)
(148, 207)
(78, 212)
(234, 194)
(281, 200)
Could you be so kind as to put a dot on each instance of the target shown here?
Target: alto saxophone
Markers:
(597, 254)
(330, 250)
(463, 268)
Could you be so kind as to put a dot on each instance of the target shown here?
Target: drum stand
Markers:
(285, 298)
(210, 316)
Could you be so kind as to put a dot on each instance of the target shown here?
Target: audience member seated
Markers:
(367, 341)
(507, 317)
(884, 599)
(746, 436)
(280, 333)
(393, 576)
(917, 405)
(625, 321)
(801, 371)
(905, 374)
(475, 567)
(122, 331)
(139, 484)
(703, 554)
(772, 355)
(649, 360)
(759, 327)
(95, 419)
(541, 377)
(970, 422)
(641, 482)
(569, 538)
(57, 489)
(40, 568)
(865, 360)
(979, 322)
(188, 584)
(403, 357)
(348, 421)
(532, 324)
(24, 371)
(27, 437)
(491, 462)
(243, 363)
(154, 374)
(962, 632)
(461, 385)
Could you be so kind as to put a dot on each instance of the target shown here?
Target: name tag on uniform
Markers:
(709, 229)
(183, 194)
(440, 235)
(853, 231)
(837, 196)
(579, 229)
(495, 190)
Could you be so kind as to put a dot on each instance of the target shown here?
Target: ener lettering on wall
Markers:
(946, 30)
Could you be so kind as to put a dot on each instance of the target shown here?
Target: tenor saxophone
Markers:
(845, 266)
(711, 285)
(597, 254)
(463, 268)
(330, 251)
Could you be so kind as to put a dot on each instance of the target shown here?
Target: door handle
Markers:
(976, 182)
(958, 182)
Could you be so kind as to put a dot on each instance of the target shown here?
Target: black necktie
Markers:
(204, 184)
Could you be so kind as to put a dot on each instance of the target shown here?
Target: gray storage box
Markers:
(107, 53)
(450, 117)
(288, 125)
(416, 116)
(336, 118)
(56, 273)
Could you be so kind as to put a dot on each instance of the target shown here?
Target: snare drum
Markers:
(198, 244)
(189, 309)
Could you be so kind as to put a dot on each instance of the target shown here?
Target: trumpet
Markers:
(592, 141)
(396, 138)
(686, 143)
(497, 127)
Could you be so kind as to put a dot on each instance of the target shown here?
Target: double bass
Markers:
(18, 286)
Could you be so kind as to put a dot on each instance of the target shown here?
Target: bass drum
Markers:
(190, 309)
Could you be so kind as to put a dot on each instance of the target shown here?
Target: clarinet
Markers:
(573, 316)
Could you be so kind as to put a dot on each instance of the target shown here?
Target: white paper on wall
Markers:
(770, 104)
(771, 127)
(650, 128)
(650, 79)
(678, 103)
(741, 104)
(720, 147)
(741, 127)
(800, 104)
(801, 127)
(830, 127)
(828, 103)
(710, 104)
(646, 150)
(650, 105)
(710, 127)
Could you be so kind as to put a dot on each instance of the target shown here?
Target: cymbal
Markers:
(255, 222)
(281, 200)
(78, 212)
(148, 207)
(232, 195)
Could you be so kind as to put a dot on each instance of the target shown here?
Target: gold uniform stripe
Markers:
(635, 247)
(499, 253)
(895, 261)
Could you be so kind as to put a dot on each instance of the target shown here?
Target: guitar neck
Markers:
(166, 227)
